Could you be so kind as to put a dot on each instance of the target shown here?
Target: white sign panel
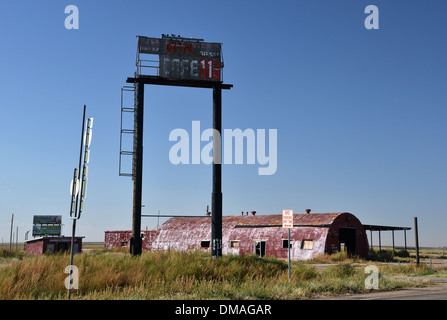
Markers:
(287, 218)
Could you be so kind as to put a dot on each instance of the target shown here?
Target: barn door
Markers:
(50, 248)
(348, 240)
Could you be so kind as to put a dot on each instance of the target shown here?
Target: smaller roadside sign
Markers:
(46, 230)
(47, 219)
(287, 218)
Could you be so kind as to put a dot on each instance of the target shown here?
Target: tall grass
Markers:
(175, 275)
(5, 253)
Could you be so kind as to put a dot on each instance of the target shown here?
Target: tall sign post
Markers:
(136, 242)
(216, 196)
(182, 62)
(287, 222)
(78, 187)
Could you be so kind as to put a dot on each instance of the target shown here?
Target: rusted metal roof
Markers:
(275, 220)
(383, 228)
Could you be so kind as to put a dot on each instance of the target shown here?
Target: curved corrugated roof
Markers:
(312, 219)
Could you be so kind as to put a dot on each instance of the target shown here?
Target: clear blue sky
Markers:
(361, 114)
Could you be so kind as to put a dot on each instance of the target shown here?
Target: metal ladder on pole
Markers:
(126, 131)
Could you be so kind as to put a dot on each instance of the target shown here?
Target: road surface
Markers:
(434, 292)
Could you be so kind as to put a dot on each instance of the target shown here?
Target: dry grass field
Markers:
(114, 274)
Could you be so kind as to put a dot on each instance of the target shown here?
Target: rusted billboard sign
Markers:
(183, 59)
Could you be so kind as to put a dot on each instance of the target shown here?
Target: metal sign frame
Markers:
(180, 58)
(157, 79)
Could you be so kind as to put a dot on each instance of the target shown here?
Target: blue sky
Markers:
(360, 114)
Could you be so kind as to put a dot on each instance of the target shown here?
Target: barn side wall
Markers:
(121, 239)
(117, 239)
(273, 238)
(172, 238)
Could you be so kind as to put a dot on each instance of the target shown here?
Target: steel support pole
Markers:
(137, 170)
(416, 238)
(405, 239)
(393, 239)
(216, 196)
(380, 242)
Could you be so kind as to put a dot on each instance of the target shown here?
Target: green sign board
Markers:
(47, 220)
(46, 230)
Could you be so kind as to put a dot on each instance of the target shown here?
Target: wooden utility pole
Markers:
(10, 235)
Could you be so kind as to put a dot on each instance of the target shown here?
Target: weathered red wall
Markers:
(114, 239)
(35, 248)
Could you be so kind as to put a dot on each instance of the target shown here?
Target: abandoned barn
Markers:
(313, 234)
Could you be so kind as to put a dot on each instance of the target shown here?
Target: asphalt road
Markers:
(434, 292)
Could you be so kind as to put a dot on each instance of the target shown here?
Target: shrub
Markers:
(402, 254)
(381, 255)
(304, 272)
(339, 256)
(341, 270)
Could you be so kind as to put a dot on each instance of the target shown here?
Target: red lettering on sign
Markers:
(202, 68)
(189, 48)
(174, 48)
(210, 69)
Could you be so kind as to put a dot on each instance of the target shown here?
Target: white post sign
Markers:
(287, 218)
(287, 222)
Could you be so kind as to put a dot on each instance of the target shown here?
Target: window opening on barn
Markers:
(124, 244)
(234, 243)
(307, 244)
(205, 243)
(285, 243)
